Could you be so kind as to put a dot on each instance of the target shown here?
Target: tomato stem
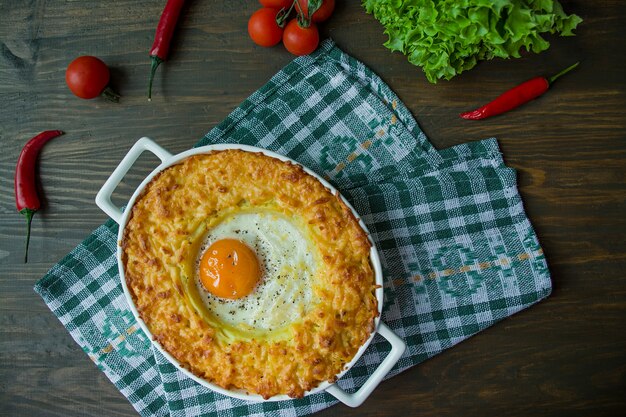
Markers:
(156, 61)
(303, 21)
(29, 218)
(282, 15)
(110, 95)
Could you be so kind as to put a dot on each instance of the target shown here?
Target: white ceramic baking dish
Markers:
(103, 200)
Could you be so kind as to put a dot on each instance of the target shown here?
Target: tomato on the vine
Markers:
(300, 40)
(277, 4)
(263, 28)
(322, 14)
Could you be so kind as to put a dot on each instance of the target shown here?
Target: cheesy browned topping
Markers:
(161, 238)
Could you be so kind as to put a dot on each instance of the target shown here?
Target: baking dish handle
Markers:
(103, 198)
(397, 349)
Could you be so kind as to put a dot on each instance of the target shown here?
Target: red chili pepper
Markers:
(163, 37)
(515, 97)
(26, 198)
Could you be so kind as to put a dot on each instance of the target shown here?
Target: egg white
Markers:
(288, 264)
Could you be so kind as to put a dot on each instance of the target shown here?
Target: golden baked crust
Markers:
(160, 239)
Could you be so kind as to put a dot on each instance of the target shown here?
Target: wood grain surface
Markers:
(564, 356)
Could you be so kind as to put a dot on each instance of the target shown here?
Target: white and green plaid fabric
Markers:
(458, 251)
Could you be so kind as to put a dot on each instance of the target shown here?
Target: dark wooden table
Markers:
(564, 356)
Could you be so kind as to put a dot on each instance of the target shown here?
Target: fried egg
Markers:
(254, 271)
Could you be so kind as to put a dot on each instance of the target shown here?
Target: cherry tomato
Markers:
(87, 76)
(263, 28)
(277, 4)
(320, 15)
(300, 40)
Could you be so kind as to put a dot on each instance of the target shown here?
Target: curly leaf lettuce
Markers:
(447, 37)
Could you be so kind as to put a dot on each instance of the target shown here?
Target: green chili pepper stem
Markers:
(156, 61)
(565, 71)
(29, 218)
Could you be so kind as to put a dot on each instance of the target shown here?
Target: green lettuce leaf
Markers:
(447, 37)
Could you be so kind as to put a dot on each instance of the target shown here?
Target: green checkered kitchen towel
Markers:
(458, 252)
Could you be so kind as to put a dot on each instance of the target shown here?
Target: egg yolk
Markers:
(229, 269)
